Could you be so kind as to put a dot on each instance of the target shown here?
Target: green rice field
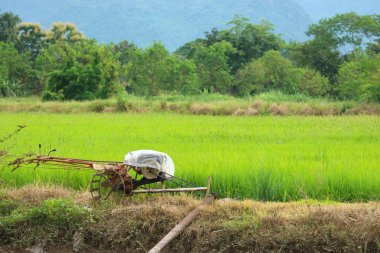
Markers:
(265, 157)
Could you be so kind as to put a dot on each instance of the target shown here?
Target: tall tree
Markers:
(154, 71)
(32, 39)
(8, 27)
(212, 67)
(80, 71)
(359, 78)
(63, 32)
(334, 38)
(250, 40)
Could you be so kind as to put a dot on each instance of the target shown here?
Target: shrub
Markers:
(359, 79)
(312, 83)
(52, 96)
(83, 71)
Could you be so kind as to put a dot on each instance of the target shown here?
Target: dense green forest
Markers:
(340, 60)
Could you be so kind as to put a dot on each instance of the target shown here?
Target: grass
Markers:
(55, 218)
(270, 103)
(264, 158)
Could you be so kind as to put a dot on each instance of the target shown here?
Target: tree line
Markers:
(341, 60)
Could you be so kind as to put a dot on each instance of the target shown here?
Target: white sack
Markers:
(151, 162)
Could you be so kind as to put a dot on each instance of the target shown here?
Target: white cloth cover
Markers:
(151, 162)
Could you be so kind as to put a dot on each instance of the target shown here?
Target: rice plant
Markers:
(264, 157)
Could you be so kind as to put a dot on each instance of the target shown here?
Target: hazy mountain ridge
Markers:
(327, 8)
(171, 21)
(175, 22)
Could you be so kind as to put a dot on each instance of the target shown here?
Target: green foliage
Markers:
(212, 67)
(58, 218)
(153, 71)
(359, 78)
(347, 29)
(274, 72)
(63, 32)
(6, 207)
(318, 55)
(270, 72)
(312, 83)
(32, 39)
(81, 71)
(57, 212)
(250, 40)
(13, 72)
(12, 65)
(8, 27)
(373, 48)
(330, 36)
(124, 51)
(52, 96)
(10, 88)
(243, 59)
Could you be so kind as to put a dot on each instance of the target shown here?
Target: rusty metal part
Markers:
(182, 225)
(111, 179)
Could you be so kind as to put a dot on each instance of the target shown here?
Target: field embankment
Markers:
(265, 104)
(55, 218)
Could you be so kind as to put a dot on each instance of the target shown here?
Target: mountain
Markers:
(328, 8)
(172, 22)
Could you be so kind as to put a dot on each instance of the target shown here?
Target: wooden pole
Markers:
(208, 186)
(162, 186)
(171, 190)
(182, 225)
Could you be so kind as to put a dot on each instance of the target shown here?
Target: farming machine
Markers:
(140, 172)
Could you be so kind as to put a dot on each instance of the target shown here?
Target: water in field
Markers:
(267, 158)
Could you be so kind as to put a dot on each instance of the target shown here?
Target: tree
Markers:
(250, 41)
(80, 71)
(359, 78)
(189, 49)
(347, 30)
(334, 38)
(318, 55)
(124, 51)
(373, 48)
(250, 79)
(274, 72)
(63, 32)
(13, 71)
(154, 71)
(12, 65)
(212, 67)
(31, 39)
(8, 27)
(181, 76)
(312, 83)
(279, 72)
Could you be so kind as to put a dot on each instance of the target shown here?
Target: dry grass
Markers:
(135, 224)
(35, 194)
(223, 106)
